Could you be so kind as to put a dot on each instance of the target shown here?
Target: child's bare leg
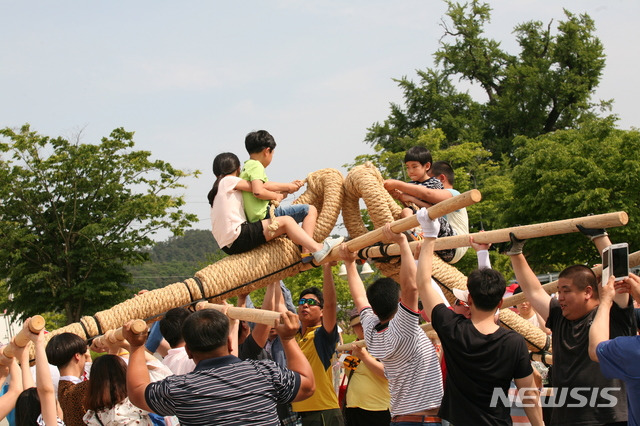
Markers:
(309, 222)
(289, 227)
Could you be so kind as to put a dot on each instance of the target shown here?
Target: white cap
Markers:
(461, 294)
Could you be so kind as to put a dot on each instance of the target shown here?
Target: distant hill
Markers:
(176, 259)
(193, 246)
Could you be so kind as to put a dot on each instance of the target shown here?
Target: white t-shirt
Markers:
(459, 221)
(178, 361)
(227, 212)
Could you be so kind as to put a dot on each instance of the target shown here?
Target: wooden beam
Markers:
(607, 220)
(21, 339)
(259, 316)
(442, 208)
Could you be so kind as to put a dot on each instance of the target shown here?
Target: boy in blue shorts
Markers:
(422, 191)
(260, 146)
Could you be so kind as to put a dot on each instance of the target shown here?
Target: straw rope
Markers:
(365, 182)
(275, 260)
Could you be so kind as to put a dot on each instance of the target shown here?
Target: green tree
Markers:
(547, 86)
(572, 173)
(74, 215)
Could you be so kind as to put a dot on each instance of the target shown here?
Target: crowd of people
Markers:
(211, 370)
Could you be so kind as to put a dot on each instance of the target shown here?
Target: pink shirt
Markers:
(178, 361)
(227, 212)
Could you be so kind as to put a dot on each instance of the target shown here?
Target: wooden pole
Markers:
(258, 316)
(442, 208)
(607, 220)
(36, 325)
(114, 336)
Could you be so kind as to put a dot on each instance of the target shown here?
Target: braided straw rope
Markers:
(366, 182)
(274, 225)
(228, 277)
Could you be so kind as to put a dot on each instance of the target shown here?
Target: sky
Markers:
(192, 78)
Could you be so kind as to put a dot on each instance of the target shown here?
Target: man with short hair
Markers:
(481, 356)
(222, 389)
(569, 318)
(393, 335)
(318, 337)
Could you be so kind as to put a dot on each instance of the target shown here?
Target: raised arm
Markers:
(529, 282)
(421, 192)
(22, 354)
(482, 252)
(260, 332)
(137, 372)
(375, 366)
(8, 400)
(407, 280)
(356, 287)
(599, 331)
(330, 308)
(46, 392)
(296, 361)
(429, 296)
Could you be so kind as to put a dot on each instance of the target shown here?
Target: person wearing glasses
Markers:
(318, 338)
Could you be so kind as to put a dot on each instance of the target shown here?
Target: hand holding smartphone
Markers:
(615, 261)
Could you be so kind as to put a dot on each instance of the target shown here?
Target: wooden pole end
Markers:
(475, 195)
(138, 326)
(36, 324)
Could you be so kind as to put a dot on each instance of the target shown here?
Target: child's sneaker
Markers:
(329, 243)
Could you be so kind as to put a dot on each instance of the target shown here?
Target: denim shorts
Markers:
(297, 211)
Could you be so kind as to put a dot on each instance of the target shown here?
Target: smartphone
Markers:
(615, 261)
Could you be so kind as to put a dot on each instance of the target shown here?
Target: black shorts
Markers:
(251, 236)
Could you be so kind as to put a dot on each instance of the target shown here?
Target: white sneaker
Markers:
(329, 244)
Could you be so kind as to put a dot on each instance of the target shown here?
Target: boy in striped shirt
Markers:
(392, 333)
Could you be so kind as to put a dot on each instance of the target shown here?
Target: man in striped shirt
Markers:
(222, 390)
(393, 336)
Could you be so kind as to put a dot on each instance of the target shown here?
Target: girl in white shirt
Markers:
(229, 225)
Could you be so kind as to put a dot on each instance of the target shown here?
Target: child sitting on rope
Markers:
(233, 233)
(459, 219)
(423, 191)
(260, 146)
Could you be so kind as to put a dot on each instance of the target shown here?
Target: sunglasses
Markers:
(310, 302)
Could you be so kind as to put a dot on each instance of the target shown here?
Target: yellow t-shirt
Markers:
(318, 347)
(367, 390)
